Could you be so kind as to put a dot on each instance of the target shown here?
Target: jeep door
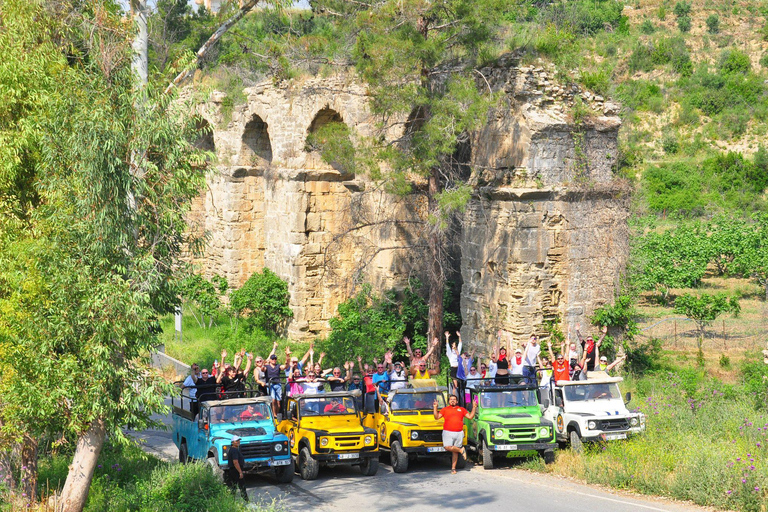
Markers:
(199, 448)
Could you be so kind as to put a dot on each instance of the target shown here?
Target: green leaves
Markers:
(705, 308)
(265, 299)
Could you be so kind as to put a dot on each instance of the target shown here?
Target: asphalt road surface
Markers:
(429, 486)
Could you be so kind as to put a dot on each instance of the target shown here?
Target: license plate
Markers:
(436, 449)
(613, 437)
(343, 456)
(283, 462)
(506, 447)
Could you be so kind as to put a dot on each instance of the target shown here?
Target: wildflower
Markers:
(757, 488)
(728, 492)
(743, 480)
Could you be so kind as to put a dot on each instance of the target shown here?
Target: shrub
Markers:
(713, 24)
(643, 357)
(646, 57)
(674, 187)
(598, 81)
(661, 13)
(734, 61)
(586, 17)
(264, 299)
(684, 23)
(764, 60)
(647, 27)
(669, 144)
(682, 8)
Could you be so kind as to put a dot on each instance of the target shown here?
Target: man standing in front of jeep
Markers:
(453, 427)
(234, 476)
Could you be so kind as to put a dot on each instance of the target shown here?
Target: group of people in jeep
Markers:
(506, 363)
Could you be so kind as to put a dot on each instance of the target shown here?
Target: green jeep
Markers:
(508, 423)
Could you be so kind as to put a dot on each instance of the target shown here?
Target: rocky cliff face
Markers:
(544, 235)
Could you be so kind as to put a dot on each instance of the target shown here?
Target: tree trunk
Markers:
(436, 276)
(29, 467)
(139, 60)
(75, 491)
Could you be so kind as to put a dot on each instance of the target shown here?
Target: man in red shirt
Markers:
(453, 427)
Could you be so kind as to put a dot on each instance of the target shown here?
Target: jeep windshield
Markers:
(507, 398)
(329, 406)
(406, 403)
(240, 413)
(584, 392)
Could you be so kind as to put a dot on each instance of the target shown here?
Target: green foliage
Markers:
(598, 81)
(204, 295)
(752, 257)
(643, 357)
(684, 23)
(662, 51)
(713, 24)
(682, 8)
(128, 480)
(620, 315)
(670, 144)
(734, 61)
(705, 309)
(641, 95)
(264, 299)
(754, 374)
(584, 17)
(764, 60)
(334, 144)
(647, 27)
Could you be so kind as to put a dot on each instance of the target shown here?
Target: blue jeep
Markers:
(203, 431)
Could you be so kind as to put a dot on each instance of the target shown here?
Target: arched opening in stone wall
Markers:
(256, 149)
(204, 133)
(329, 142)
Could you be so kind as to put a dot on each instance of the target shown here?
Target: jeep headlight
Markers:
(224, 451)
(544, 432)
(633, 422)
(498, 432)
(591, 425)
(368, 439)
(414, 435)
(278, 447)
(323, 441)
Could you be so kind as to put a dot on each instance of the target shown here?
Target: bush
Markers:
(647, 27)
(764, 60)
(586, 17)
(643, 357)
(682, 9)
(713, 24)
(264, 299)
(647, 57)
(597, 81)
(684, 23)
(734, 61)
(639, 94)
(670, 144)
(674, 187)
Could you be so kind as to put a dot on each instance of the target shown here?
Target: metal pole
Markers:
(675, 333)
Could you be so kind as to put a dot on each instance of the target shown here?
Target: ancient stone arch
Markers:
(324, 117)
(205, 140)
(256, 148)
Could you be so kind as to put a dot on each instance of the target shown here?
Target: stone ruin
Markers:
(544, 235)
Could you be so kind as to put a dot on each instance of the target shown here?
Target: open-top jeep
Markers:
(407, 427)
(204, 431)
(327, 429)
(508, 423)
(592, 410)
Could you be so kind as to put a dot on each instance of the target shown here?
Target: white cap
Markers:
(235, 438)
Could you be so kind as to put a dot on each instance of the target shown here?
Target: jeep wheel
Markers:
(183, 453)
(369, 466)
(215, 469)
(308, 467)
(487, 456)
(398, 457)
(548, 456)
(576, 444)
(284, 474)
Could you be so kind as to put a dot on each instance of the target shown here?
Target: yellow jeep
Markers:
(407, 427)
(327, 429)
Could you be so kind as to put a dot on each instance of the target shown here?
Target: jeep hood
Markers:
(333, 424)
(599, 408)
(512, 416)
(248, 431)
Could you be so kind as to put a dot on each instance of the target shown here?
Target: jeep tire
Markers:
(183, 453)
(215, 469)
(576, 444)
(308, 467)
(398, 457)
(369, 466)
(548, 456)
(284, 474)
(487, 455)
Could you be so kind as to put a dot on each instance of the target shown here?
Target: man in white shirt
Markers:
(531, 358)
(398, 377)
(191, 380)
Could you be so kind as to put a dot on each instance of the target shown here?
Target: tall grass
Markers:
(705, 441)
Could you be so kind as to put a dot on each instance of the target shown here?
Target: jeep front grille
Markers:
(347, 441)
(256, 450)
(430, 436)
(517, 434)
(613, 424)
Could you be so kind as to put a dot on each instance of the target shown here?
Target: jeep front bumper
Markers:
(425, 450)
(345, 458)
(254, 465)
(592, 435)
(522, 447)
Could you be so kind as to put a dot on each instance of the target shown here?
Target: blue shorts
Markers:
(276, 391)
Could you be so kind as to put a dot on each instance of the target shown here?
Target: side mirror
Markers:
(545, 403)
(628, 398)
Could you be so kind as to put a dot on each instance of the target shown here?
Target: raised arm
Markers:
(578, 334)
(447, 342)
(408, 346)
(220, 374)
(458, 349)
(566, 348)
(616, 363)
(309, 352)
(274, 348)
(248, 365)
(471, 415)
(435, 412)
(360, 365)
(604, 331)
(435, 343)
(549, 349)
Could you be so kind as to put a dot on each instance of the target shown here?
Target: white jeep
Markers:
(591, 410)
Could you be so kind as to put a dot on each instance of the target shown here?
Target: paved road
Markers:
(429, 486)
